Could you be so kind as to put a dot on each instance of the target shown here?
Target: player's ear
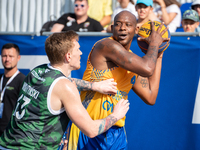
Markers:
(67, 57)
(112, 28)
(151, 8)
(197, 24)
(18, 57)
(87, 7)
(137, 29)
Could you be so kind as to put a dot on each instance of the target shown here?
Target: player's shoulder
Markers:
(66, 83)
(107, 46)
(108, 41)
(21, 75)
(92, 20)
(65, 80)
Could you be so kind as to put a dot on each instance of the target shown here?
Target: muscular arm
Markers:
(104, 87)
(147, 88)
(110, 52)
(83, 85)
(77, 113)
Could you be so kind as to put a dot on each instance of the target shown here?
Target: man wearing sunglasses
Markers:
(77, 21)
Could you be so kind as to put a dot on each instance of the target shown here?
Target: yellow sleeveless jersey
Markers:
(100, 105)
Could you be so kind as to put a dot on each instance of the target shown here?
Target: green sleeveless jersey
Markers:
(34, 125)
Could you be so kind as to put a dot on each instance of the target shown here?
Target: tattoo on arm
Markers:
(154, 53)
(100, 45)
(83, 85)
(144, 82)
(106, 124)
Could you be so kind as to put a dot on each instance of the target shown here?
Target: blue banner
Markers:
(172, 123)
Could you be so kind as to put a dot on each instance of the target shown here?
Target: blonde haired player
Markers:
(48, 99)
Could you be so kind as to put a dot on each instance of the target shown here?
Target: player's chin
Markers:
(123, 42)
(8, 67)
(189, 30)
(78, 67)
(142, 16)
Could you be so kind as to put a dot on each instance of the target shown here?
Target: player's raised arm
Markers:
(147, 87)
(116, 52)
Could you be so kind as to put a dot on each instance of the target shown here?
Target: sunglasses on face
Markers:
(76, 5)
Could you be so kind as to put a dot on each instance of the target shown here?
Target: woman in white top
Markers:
(125, 5)
(169, 12)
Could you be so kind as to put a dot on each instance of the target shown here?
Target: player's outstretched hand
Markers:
(106, 87)
(156, 35)
(121, 108)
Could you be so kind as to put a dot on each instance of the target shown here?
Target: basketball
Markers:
(145, 31)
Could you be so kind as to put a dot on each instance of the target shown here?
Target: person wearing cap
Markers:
(190, 21)
(169, 12)
(196, 6)
(145, 12)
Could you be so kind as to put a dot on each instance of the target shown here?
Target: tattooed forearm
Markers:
(83, 85)
(153, 53)
(107, 123)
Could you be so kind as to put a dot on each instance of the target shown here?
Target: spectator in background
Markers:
(128, 5)
(196, 6)
(145, 12)
(190, 21)
(11, 82)
(169, 12)
(124, 5)
(100, 10)
(77, 21)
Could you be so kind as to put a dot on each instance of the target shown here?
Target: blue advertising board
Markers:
(173, 123)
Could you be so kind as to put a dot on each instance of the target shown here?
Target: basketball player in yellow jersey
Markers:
(112, 58)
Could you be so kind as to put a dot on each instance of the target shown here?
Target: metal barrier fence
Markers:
(30, 15)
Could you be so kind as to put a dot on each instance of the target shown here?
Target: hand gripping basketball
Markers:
(145, 31)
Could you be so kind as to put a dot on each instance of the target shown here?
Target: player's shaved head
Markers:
(124, 28)
(126, 14)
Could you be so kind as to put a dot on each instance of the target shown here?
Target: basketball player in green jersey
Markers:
(48, 99)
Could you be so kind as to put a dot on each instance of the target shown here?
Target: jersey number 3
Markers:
(20, 108)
